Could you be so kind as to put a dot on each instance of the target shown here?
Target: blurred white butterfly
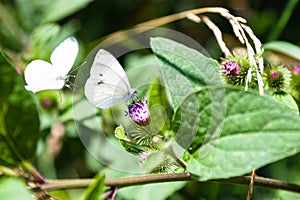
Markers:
(108, 84)
(41, 75)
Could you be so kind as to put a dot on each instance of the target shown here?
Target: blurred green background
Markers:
(30, 29)
(92, 20)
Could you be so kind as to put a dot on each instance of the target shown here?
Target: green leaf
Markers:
(132, 147)
(30, 11)
(45, 38)
(19, 122)
(125, 142)
(161, 111)
(96, 189)
(184, 69)
(158, 191)
(254, 132)
(287, 100)
(120, 133)
(13, 188)
(284, 47)
(281, 194)
(59, 9)
(41, 37)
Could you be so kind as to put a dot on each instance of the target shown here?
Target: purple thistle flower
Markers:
(230, 69)
(296, 70)
(139, 112)
(274, 74)
(278, 78)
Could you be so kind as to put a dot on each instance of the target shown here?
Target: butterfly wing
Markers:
(40, 75)
(108, 84)
(64, 55)
(104, 95)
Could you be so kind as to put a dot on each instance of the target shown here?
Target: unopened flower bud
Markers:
(139, 112)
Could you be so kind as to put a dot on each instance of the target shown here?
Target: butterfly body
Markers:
(108, 84)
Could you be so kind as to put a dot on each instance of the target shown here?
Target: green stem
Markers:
(34, 172)
(160, 178)
(286, 15)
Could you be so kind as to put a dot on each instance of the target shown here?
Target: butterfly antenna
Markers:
(73, 70)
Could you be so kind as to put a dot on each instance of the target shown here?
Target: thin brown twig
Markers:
(250, 190)
(144, 26)
(160, 178)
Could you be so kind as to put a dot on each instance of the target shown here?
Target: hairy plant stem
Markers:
(160, 178)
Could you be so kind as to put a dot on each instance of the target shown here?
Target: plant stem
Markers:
(34, 172)
(283, 20)
(160, 178)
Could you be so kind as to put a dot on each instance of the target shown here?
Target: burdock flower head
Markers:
(230, 69)
(278, 78)
(295, 83)
(296, 70)
(237, 69)
(139, 112)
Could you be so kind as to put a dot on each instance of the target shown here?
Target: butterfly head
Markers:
(133, 92)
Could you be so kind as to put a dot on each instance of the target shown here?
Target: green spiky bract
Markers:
(279, 84)
(241, 76)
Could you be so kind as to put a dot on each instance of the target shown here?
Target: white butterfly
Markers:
(41, 75)
(108, 84)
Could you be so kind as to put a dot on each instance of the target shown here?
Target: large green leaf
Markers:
(12, 188)
(184, 69)
(284, 47)
(255, 131)
(161, 112)
(19, 123)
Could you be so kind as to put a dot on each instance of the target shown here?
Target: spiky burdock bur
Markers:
(141, 133)
(277, 78)
(295, 83)
(235, 70)
(155, 162)
(140, 129)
